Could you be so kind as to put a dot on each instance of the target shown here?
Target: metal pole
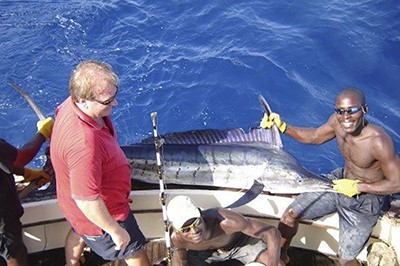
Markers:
(158, 143)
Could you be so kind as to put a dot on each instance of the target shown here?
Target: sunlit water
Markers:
(202, 64)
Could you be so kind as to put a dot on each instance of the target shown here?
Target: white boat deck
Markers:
(45, 227)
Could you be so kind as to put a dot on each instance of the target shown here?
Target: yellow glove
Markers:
(273, 118)
(347, 187)
(45, 127)
(36, 174)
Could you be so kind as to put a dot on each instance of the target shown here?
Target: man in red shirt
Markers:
(93, 174)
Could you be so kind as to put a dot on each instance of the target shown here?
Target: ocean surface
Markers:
(202, 64)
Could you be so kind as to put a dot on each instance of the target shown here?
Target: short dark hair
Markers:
(354, 92)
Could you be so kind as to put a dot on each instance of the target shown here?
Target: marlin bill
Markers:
(224, 158)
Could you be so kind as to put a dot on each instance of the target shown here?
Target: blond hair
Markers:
(83, 77)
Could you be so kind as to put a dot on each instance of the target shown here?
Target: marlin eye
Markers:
(299, 179)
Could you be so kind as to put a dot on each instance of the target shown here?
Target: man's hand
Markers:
(347, 187)
(273, 119)
(33, 174)
(121, 238)
(45, 127)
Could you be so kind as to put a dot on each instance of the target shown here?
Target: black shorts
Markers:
(11, 242)
(104, 246)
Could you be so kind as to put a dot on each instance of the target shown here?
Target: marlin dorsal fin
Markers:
(211, 136)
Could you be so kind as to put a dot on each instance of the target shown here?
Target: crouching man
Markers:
(201, 237)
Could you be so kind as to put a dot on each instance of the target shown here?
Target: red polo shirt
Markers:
(89, 163)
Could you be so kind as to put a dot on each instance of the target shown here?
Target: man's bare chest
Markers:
(357, 153)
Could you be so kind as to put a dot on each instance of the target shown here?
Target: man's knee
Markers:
(353, 262)
(138, 258)
(288, 223)
(290, 217)
(19, 257)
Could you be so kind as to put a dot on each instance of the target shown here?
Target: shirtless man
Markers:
(13, 160)
(201, 237)
(371, 170)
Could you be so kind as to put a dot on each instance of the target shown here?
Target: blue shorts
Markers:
(246, 250)
(357, 215)
(104, 246)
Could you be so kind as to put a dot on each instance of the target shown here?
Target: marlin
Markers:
(229, 158)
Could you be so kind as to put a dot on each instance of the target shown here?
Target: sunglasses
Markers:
(108, 101)
(350, 111)
(186, 229)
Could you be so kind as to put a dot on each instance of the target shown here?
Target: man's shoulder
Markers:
(214, 213)
(8, 153)
(177, 241)
(4, 145)
(212, 210)
(333, 123)
(224, 218)
(375, 128)
(377, 133)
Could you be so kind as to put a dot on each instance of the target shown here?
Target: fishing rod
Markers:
(32, 185)
(158, 142)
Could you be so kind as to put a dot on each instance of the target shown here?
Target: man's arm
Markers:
(384, 152)
(179, 253)
(179, 257)
(235, 222)
(318, 135)
(315, 136)
(29, 150)
(96, 212)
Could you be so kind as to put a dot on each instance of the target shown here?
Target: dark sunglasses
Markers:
(350, 111)
(108, 101)
(186, 229)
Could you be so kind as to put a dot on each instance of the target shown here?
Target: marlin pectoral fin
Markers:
(250, 194)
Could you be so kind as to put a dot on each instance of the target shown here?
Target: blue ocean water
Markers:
(202, 64)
